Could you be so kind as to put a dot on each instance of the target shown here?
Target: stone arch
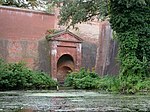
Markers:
(65, 64)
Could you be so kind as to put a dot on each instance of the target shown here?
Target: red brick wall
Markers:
(22, 36)
(24, 24)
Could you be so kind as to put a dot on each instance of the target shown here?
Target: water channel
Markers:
(72, 101)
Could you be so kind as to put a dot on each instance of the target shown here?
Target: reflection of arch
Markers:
(65, 65)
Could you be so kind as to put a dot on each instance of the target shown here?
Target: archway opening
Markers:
(65, 65)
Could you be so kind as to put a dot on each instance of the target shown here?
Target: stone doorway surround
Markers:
(65, 54)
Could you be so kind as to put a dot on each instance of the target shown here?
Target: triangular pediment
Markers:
(64, 36)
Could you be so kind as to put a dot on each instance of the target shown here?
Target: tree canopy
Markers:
(76, 11)
(23, 3)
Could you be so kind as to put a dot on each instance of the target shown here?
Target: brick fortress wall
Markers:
(22, 36)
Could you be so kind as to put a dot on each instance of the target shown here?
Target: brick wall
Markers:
(89, 32)
(99, 49)
(22, 36)
(106, 59)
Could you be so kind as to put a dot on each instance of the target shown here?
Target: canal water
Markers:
(72, 101)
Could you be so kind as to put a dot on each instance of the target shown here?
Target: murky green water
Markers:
(71, 101)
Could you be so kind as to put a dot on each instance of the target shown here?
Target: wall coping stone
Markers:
(24, 10)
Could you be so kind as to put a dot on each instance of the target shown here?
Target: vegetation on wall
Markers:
(131, 21)
(15, 76)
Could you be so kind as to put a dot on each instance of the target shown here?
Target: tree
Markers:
(22, 3)
(43, 5)
(130, 19)
(77, 11)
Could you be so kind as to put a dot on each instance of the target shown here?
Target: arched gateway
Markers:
(65, 54)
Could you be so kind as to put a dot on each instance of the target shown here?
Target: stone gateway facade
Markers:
(65, 54)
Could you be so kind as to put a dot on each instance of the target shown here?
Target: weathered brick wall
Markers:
(89, 32)
(22, 36)
(89, 51)
(99, 49)
(106, 59)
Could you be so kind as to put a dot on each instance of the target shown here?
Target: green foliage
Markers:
(82, 80)
(50, 8)
(17, 76)
(130, 20)
(77, 11)
(109, 83)
(34, 4)
(123, 84)
(143, 85)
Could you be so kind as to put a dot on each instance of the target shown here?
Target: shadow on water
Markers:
(72, 101)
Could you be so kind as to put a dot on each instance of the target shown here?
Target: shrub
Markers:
(17, 76)
(144, 85)
(109, 83)
(82, 80)
(85, 79)
(123, 84)
(132, 84)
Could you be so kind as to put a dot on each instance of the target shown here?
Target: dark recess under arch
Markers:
(65, 65)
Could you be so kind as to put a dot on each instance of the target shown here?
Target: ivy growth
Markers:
(131, 21)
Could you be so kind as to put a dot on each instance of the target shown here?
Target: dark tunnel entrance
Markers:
(65, 65)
